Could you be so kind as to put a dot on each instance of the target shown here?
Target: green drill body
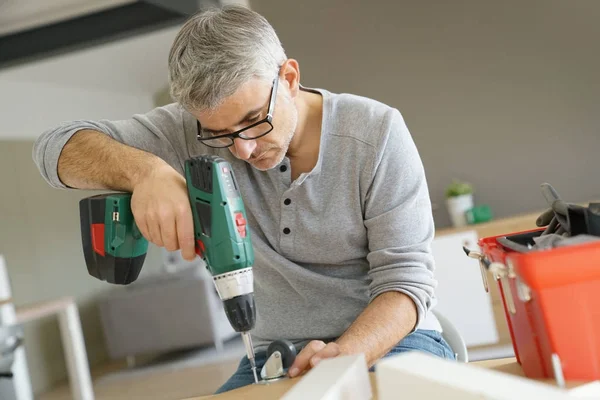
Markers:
(222, 237)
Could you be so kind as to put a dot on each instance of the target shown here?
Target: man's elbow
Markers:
(419, 286)
(38, 152)
(43, 157)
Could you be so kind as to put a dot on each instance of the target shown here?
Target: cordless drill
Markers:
(114, 248)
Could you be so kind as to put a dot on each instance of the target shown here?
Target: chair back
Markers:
(453, 337)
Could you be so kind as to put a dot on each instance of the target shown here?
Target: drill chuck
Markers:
(236, 290)
(241, 312)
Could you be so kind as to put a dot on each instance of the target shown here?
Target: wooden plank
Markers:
(501, 226)
(7, 301)
(43, 309)
(345, 377)
(420, 375)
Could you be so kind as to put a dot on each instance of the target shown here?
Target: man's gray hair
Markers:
(217, 51)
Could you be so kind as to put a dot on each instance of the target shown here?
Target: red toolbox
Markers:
(552, 305)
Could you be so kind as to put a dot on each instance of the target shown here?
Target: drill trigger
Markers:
(200, 249)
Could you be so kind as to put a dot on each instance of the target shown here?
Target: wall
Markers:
(113, 80)
(501, 93)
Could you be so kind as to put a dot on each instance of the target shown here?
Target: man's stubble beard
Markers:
(283, 149)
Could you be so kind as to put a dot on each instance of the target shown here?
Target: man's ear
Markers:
(290, 73)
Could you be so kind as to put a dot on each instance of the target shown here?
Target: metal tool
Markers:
(115, 250)
(559, 223)
(247, 339)
(593, 219)
(499, 271)
(558, 372)
(280, 356)
(568, 219)
(484, 265)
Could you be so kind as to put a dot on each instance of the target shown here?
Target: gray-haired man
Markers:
(333, 184)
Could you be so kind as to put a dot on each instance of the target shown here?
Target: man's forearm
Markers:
(92, 160)
(385, 321)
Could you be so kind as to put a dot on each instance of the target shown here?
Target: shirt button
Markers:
(286, 230)
(287, 202)
(283, 168)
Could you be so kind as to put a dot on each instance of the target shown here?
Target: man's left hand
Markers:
(312, 354)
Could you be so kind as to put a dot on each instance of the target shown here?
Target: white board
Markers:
(417, 375)
(339, 378)
(460, 292)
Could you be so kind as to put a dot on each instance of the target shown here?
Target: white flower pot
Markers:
(457, 206)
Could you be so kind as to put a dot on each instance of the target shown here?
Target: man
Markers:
(333, 185)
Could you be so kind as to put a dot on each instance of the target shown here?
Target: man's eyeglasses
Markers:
(251, 132)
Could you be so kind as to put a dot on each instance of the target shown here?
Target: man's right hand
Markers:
(161, 208)
(160, 202)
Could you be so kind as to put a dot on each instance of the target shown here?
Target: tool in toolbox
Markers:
(568, 219)
(115, 249)
(554, 271)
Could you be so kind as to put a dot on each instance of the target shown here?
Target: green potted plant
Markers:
(459, 199)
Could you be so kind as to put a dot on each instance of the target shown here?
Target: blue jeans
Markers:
(420, 340)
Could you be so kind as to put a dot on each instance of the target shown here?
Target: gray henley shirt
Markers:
(358, 225)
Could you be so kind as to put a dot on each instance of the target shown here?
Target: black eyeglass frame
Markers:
(239, 134)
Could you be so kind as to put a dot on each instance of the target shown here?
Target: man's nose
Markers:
(244, 148)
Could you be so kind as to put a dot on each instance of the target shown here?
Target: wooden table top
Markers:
(277, 389)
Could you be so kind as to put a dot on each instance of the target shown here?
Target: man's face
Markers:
(247, 105)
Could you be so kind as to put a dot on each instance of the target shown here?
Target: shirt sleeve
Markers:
(399, 220)
(160, 132)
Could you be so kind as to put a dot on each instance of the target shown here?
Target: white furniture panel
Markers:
(460, 292)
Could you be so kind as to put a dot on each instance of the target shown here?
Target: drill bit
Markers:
(253, 364)
(250, 353)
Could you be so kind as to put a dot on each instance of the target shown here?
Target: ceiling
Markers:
(19, 15)
(35, 29)
(133, 65)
